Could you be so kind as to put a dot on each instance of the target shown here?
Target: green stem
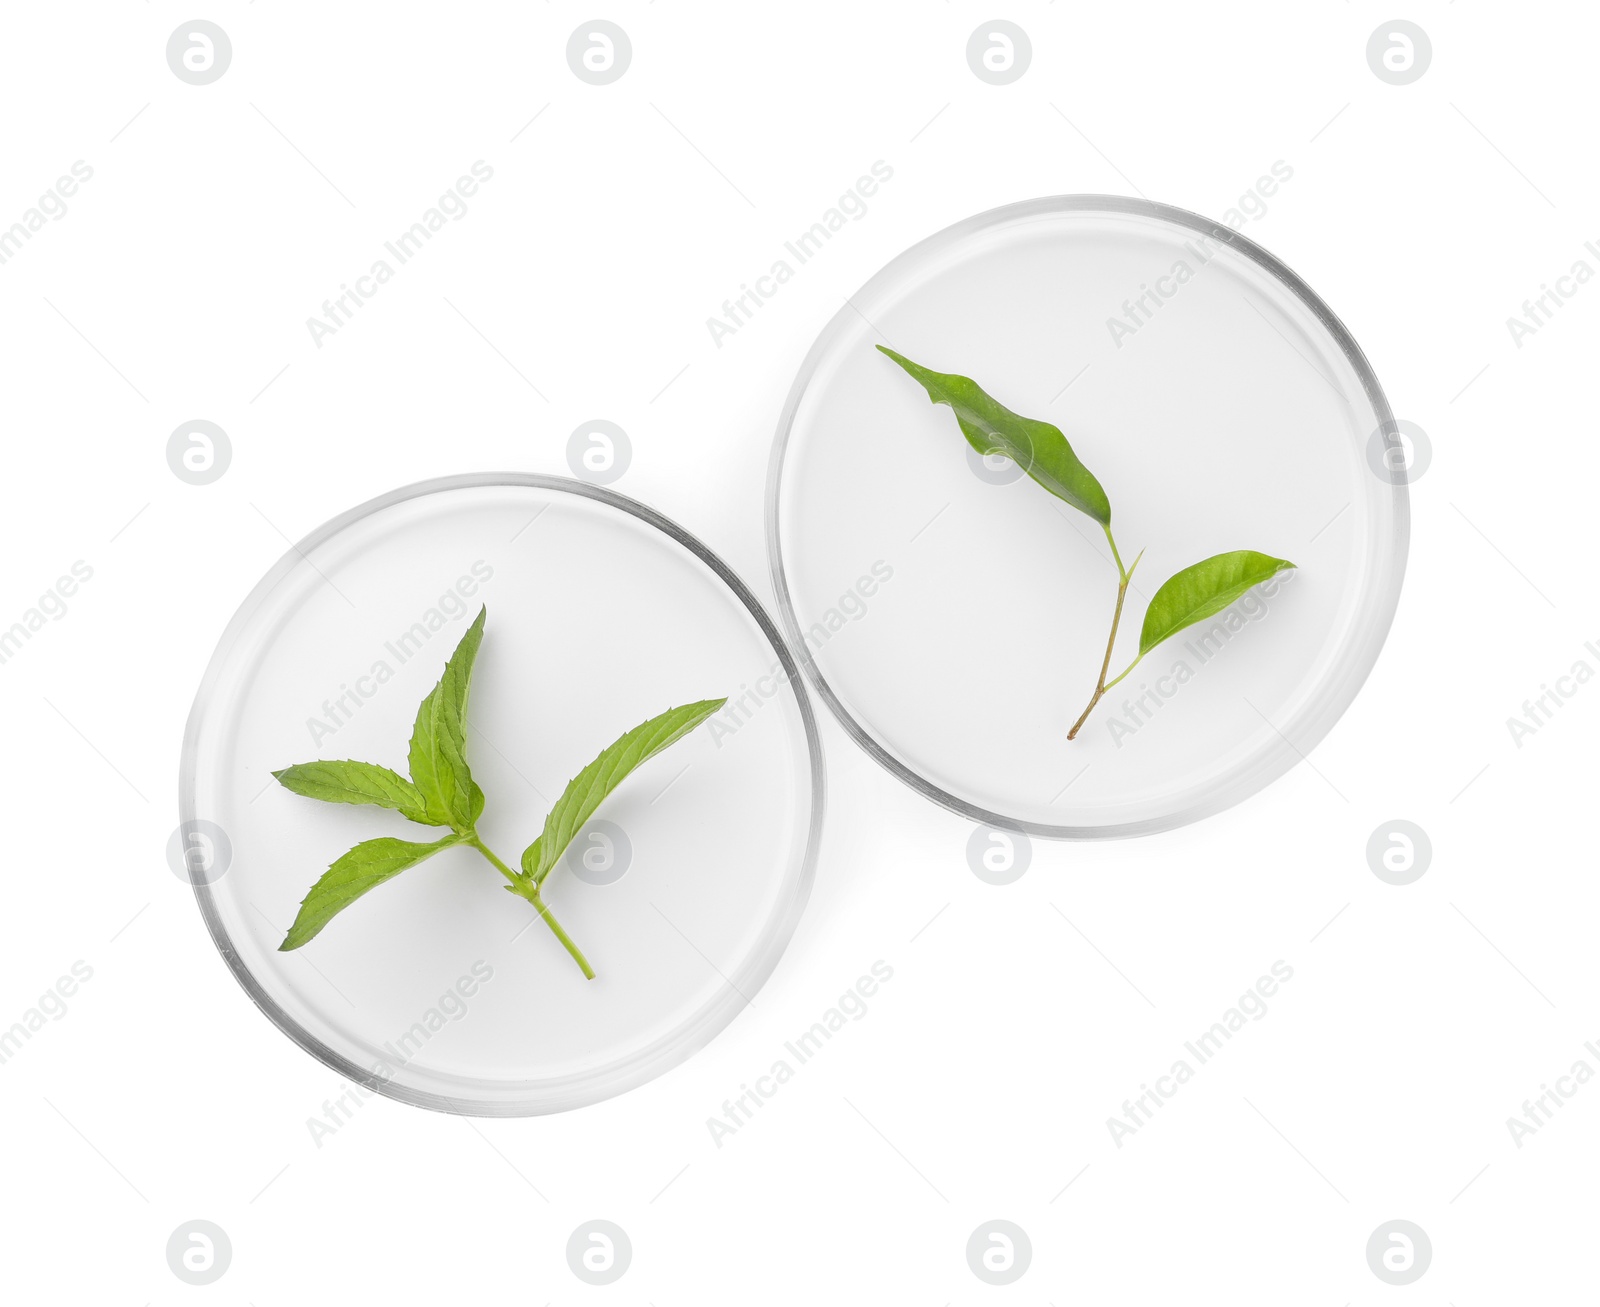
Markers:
(1124, 575)
(1123, 572)
(521, 885)
(1124, 672)
(566, 940)
(472, 838)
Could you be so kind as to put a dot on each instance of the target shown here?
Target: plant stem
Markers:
(566, 940)
(522, 886)
(1123, 672)
(472, 839)
(1124, 575)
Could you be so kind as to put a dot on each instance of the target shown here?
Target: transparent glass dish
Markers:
(953, 614)
(438, 987)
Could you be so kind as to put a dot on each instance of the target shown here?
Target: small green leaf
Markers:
(1038, 448)
(1202, 590)
(357, 782)
(367, 865)
(439, 740)
(586, 791)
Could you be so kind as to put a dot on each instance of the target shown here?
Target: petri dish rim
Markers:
(1380, 603)
(556, 1094)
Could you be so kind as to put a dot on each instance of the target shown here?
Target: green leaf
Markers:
(1038, 448)
(357, 782)
(1202, 590)
(367, 865)
(439, 741)
(586, 791)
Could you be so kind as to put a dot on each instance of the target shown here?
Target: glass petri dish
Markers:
(953, 614)
(439, 988)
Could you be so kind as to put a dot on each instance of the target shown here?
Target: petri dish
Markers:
(438, 987)
(954, 615)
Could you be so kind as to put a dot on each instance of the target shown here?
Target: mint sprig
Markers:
(1189, 596)
(442, 793)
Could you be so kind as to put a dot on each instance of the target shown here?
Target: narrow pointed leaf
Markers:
(357, 782)
(367, 865)
(586, 791)
(439, 740)
(1038, 448)
(1203, 590)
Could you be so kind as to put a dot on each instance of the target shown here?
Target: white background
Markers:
(178, 285)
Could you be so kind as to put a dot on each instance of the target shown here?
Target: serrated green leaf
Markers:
(439, 740)
(588, 789)
(357, 782)
(1200, 591)
(364, 867)
(1038, 448)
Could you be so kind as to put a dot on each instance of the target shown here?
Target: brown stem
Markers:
(1105, 665)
